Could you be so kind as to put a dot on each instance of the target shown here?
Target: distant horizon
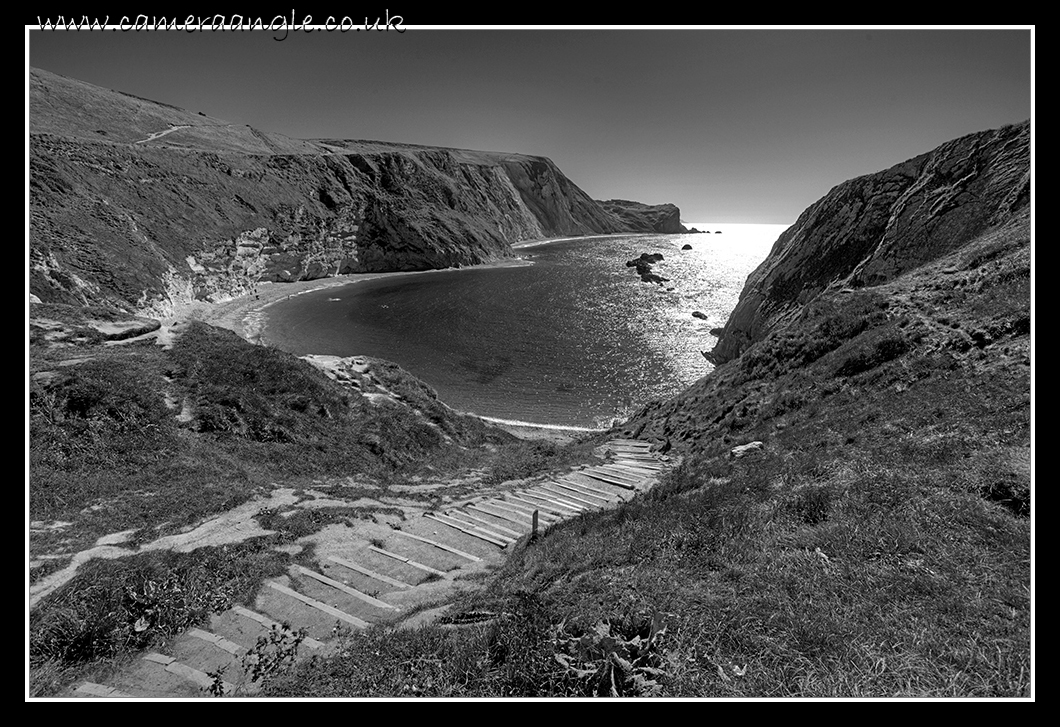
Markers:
(750, 125)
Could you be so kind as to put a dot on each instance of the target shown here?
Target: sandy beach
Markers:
(246, 316)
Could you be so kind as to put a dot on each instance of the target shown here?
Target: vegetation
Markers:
(878, 546)
(108, 454)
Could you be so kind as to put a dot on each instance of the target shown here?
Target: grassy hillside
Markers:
(138, 443)
(877, 546)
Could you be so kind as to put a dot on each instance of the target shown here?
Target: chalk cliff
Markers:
(871, 229)
(133, 200)
(664, 218)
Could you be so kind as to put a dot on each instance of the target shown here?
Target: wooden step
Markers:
(370, 573)
(408, 561)
(637, 469)
(526, 510)
(638, 466)
(560, 497)
(201, 679)
(219, 641)
(474, 531)
(618, 474)
(605, 478)
(339, 585)
(582, 493)
(441, 546)
(319, 605)
(610, 496)
(270, 624)
(511, 516)
(552, 510)
(630, 442)
(91, 689)
(560, 492)
(553, 500)
(460, 514)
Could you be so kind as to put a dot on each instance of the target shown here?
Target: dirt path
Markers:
(399, 569)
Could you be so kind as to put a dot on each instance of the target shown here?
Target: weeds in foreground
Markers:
(217, 681)
(615, 660)
(274, 653)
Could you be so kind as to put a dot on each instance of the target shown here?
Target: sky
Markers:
(731, 125)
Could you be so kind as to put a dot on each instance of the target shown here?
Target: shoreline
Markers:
(246, 317)
(550, 240)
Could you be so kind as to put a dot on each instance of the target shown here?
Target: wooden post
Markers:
(533, 528)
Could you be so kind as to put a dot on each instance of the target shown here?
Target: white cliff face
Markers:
(116, 205)
(871, 229)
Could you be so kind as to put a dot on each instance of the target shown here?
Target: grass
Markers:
(879, 547)
(108, 454)
(114, 607)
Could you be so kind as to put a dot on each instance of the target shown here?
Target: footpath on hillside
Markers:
(400, 569)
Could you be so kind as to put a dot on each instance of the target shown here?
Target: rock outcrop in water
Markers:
(871, 229)
(134, 201)
(644, 270)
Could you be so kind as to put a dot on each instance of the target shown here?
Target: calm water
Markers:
(573, 338)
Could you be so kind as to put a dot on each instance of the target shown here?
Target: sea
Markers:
(569, 337)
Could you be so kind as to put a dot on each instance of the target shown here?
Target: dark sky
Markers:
(730, 125)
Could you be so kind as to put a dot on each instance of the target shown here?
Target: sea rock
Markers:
(644, 270)
(699, 314)
(686, 247)
(871, 229)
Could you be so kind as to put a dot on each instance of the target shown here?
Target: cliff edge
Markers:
(870, 229)
(134, 201)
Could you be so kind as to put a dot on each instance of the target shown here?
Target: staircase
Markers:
(377, 576)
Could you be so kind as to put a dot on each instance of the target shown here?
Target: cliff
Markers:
(133, 200)
(662, 218)
(869, 230)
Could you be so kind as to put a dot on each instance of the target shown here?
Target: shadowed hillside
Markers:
(849, 516)
(132, 200)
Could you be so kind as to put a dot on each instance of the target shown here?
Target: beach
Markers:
(246, 316)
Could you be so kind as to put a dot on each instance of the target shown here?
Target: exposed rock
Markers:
(644, 270)
(699, 314)
(871, 229)
(686, 247)
(664, 218)
(745, 450)
(169, 204)
(121, 330)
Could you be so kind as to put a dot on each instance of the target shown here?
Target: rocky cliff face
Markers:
(871, 229)
(132, 200)
(663, 218)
